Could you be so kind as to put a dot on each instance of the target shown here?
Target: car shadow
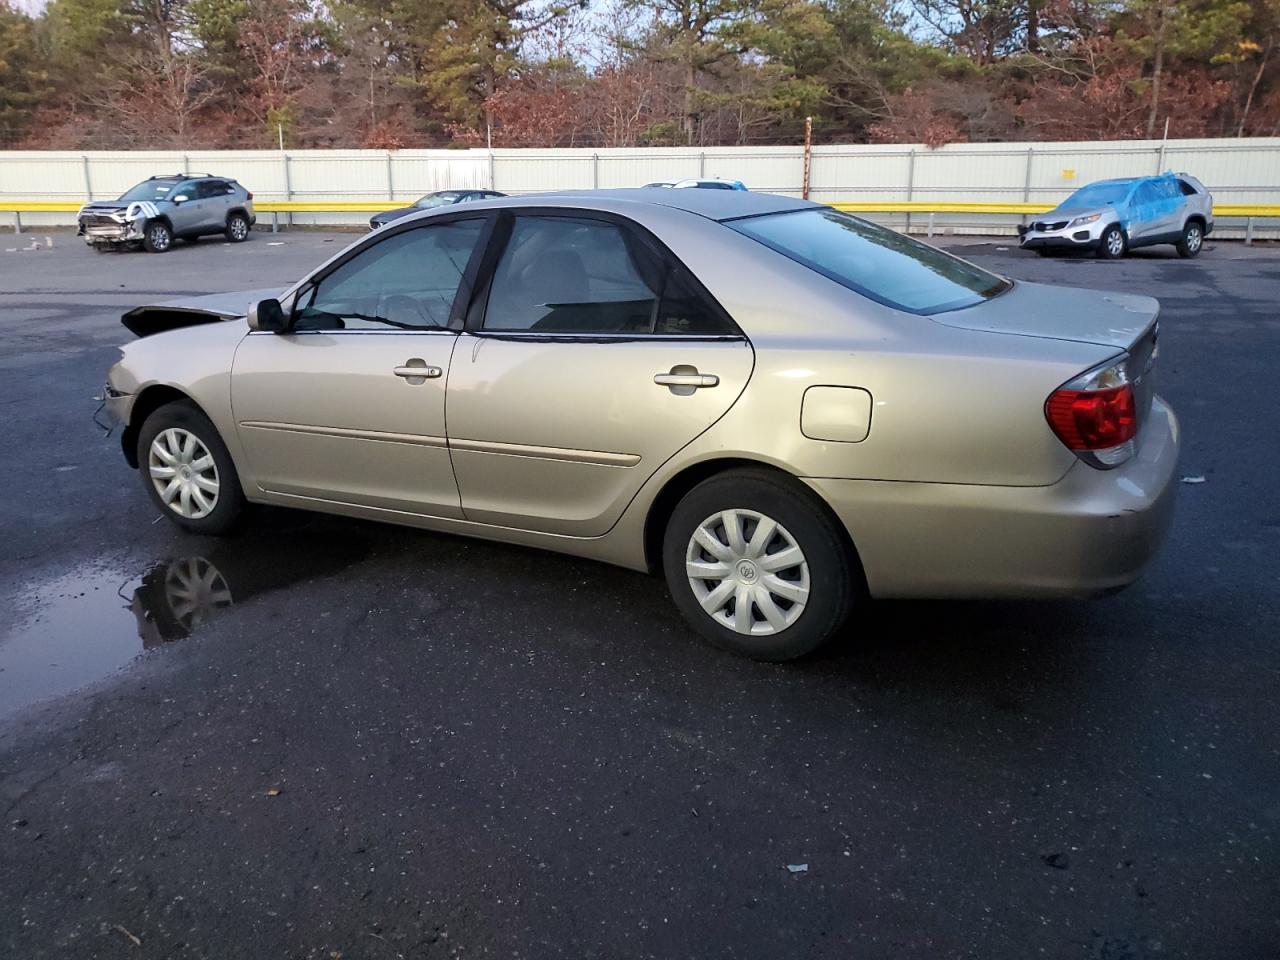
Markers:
(1001, 655)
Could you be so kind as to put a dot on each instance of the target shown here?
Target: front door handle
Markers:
(417, 371)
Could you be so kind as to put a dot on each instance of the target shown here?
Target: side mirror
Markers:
(181, 198)
(268, 316)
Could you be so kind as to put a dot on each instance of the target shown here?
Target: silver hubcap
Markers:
(1193, 239)
(160, 238)
(183, 472)
(1115, 243)
(195, 591)
(239, 229)
(747, 572)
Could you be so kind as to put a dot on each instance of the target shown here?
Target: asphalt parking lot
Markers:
(373, 742)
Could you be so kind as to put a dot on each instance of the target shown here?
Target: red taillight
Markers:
(1093, 419)
(250, 192)
(1096, 414)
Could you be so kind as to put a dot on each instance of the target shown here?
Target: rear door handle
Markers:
(694, 380)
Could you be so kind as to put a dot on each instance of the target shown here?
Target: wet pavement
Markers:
(325, 737)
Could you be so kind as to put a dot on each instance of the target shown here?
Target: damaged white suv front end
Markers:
(110, 223)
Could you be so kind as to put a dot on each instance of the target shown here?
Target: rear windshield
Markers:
(151, 190)
(1096, 194)
(878, 263)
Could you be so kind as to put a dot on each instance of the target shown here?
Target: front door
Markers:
(596, 358)
(188, 215)
(349, 406)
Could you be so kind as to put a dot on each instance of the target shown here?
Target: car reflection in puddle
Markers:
(76, 631)
(175, 598)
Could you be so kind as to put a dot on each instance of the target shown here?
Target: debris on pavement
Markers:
(798, 867)
(1058, 861)
(1196, 479)
(136, 941)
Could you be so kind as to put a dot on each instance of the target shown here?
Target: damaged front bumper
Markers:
(118, 226)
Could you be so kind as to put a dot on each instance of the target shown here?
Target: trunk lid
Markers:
(1117, 320)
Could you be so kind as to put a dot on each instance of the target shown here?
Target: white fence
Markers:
(1238, 171)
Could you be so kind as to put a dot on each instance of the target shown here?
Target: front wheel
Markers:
(237, 228)
(1192, 241)
(758, 567)
(1112, 244)
(187, 469)
(158, 237)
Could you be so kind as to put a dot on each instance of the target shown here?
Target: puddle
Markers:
(88, 624)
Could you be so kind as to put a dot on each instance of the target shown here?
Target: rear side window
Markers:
(571, 275)
(1187, 189)
(211, 188)
(881, 264)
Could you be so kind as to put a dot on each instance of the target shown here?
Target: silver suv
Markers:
(161, 209)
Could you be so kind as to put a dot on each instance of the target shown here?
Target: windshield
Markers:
(878, 263)
(1098, 194)
(435, 200)
(152, 190)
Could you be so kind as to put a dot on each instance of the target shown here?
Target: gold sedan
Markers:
(784, 409)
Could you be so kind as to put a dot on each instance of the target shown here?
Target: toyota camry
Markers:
(783, 409)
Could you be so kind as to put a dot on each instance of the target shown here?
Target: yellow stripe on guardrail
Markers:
(857, 206)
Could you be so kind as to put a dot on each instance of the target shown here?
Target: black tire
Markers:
(158, 237)
(228, 503)
(1113, 244)
(834, 575)
(1192, 241)
(237, 228)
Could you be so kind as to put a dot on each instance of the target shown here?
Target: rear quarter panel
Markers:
(948, 404)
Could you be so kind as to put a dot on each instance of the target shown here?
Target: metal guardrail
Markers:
(1248, 211)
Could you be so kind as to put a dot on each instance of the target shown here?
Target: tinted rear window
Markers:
(879, 263)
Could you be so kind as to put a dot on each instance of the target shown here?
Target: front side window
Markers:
(1146, 193)
(570, 275)
(878, 263)
(406, 281)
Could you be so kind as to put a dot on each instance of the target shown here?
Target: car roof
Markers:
(712, 204)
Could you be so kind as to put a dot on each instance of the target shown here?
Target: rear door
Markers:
(591, 358)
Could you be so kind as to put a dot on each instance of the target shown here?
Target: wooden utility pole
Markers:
(808, 155)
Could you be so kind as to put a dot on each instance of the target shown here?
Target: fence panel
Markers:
(1242, 171)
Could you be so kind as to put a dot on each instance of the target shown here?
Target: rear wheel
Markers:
(187, 470)
(158, 237)
(1192, 241)
(237, 228)
(1113, 244)
(758, 567)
